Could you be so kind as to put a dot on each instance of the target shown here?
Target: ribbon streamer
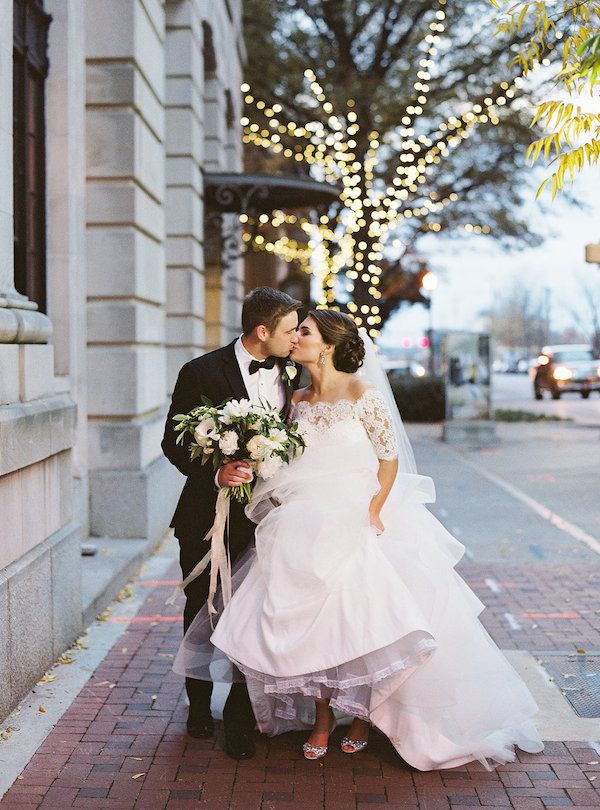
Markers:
(217, 557)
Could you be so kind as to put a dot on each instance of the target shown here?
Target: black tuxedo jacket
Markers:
(217, 376)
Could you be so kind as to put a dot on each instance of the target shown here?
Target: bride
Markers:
(349, 600)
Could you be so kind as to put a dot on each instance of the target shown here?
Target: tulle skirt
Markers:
(382, 627)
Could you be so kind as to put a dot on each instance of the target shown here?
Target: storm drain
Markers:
(578, 678)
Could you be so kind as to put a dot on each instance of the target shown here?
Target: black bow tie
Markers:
(256, 364)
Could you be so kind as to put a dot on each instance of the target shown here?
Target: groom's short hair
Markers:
(266, 306)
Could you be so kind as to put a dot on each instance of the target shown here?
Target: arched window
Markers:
(30, 68)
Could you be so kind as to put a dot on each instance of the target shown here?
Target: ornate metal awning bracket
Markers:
(222, 233)
(229, 195)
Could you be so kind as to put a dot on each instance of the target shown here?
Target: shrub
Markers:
(508, 415)
(419, 399)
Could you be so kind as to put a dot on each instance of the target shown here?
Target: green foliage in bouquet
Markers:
(237, 430)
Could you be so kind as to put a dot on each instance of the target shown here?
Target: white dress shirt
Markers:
(265, 385)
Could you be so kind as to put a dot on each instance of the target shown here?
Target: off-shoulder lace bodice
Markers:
(369, 409)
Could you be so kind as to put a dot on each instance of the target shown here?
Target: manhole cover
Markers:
(578, 678)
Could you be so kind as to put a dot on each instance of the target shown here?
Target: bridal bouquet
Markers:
(237, 429)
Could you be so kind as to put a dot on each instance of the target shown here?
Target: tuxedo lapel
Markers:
(232, 373)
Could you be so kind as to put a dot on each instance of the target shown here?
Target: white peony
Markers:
(228, 442)
(234, 410)
(268, 466)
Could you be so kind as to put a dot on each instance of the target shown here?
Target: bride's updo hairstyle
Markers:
(339, 330)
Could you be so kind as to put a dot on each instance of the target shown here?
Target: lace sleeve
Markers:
(377, 420)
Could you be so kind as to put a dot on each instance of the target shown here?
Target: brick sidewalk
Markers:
(122, 743)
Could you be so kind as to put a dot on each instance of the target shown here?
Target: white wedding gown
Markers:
(381, 626)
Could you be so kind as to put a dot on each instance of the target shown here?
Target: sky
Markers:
(473, 270)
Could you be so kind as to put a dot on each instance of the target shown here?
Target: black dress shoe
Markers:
(200, 728)
(239, 743)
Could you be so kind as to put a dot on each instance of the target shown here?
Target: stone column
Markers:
(40, 599)
(132, 486)
(65, 238)
(186, 336)
(223, 152)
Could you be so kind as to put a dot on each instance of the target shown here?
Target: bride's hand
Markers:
(375, 521)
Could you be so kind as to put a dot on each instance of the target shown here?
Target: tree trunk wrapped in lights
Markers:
(398, 104)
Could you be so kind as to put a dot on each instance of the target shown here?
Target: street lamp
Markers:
(429, 282)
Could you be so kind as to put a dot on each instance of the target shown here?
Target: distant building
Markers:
(592, 253)
(112, 115)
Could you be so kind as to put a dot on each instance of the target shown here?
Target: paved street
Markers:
(516, 391)
(528, 513)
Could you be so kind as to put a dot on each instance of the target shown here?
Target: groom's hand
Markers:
(235, 473)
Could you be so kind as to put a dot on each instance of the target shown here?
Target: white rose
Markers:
(268, 467)
(228, 442)
(258, 447)
(291, 371)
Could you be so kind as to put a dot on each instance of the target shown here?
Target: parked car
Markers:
(566, 368)
(406, 369)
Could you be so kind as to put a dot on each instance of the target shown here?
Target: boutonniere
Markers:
(289, 372)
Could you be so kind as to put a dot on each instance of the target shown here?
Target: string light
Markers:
(349, 241)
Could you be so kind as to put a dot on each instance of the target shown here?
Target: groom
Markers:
(252, 367)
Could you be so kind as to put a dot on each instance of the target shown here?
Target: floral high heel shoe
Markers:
(313, 752)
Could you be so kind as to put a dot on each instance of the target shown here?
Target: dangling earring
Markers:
(322, 359)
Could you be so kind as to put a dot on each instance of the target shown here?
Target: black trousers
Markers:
(238, 708)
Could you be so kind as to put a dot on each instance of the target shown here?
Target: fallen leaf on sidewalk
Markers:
(141, 759)
(591, 778)
(138, 775)
(46, 679)
(124, 649)
(79, 645)
(593, 762)
(65, 659)
(41, 709)
(580, 651)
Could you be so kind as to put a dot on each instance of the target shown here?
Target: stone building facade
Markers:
(112, 291)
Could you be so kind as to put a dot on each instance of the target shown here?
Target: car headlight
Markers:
(562, 373)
